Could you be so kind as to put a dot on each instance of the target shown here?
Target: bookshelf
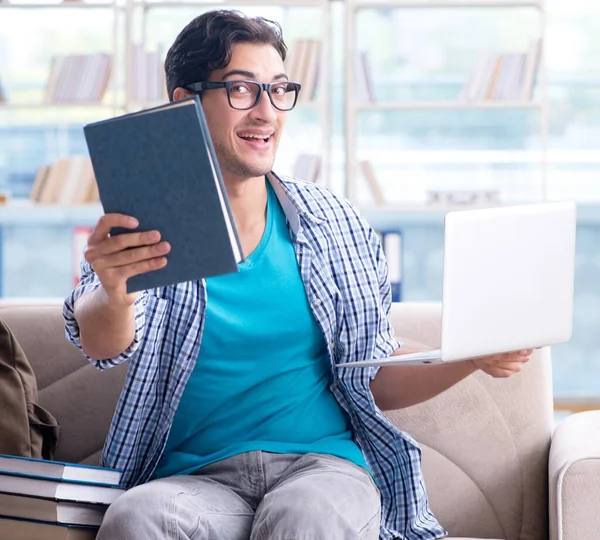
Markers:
(361, 100)
(449, 3)
(446, 105)
(136, 77)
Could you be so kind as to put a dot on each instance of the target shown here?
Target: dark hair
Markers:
(205, 44)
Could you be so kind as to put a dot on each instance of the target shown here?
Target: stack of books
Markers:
(50, 500)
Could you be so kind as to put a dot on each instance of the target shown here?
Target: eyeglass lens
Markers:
(244, 95)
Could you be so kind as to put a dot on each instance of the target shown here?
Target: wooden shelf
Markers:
(446, 105)
(448, 4)
(588, 214)
(25, 212)
(37, 106)
(59, 5)
(211, 3)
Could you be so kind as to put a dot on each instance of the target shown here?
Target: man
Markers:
(233, 423)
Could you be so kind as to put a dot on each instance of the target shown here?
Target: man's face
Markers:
(246, 141)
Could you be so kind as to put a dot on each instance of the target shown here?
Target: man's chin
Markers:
(257, 169)
(245, 166)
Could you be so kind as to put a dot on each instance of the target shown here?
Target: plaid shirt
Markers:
(346, 279)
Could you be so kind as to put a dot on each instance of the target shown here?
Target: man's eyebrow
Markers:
(241, 72)
(249, 74)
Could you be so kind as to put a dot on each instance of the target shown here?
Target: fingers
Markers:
(117, 258)
(520, 356)
(121, 242)
(504, 370)
(130, 256)
(504, 365)
(120, 274)
(500, 373)
(513, 367)
(107, 222)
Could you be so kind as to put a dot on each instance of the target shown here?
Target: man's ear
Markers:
(180, 93)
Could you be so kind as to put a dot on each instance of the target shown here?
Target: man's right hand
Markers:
(117, 258)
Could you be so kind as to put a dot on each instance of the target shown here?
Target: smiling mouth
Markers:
(259, 139)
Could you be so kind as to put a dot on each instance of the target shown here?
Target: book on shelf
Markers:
(172, 184)
(50, 511)
(3, 98)
(505, 77)
(148, 76)
(81, 234)
(307, 167)
(454, 198)
(58, 470)
(78, 78)
(391, 243)
(372, 182)
(18, 529)
(363, 77)
(68, 181)
(302, 65)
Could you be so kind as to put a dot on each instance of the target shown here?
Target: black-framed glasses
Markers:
(244, 95)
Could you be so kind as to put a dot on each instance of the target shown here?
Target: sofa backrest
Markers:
(485, 442)
(81, 398)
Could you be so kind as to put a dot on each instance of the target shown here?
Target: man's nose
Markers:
(264, 109)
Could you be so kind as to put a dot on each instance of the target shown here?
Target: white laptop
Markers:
(508, 283)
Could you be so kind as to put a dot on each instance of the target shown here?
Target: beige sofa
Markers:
(494, 466)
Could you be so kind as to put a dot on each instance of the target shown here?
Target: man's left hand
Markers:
(503, 365)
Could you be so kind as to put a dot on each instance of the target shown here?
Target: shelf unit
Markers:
(128, 13)
(353, 107)
(61, 5)
(446, 105)
(435, 4)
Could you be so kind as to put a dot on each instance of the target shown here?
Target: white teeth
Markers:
(252, 136)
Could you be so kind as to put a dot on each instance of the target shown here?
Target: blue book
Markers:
(58, 471)
(57, 490)
(36, 509)
(159, 166)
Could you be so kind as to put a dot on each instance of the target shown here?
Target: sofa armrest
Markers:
(574, 475)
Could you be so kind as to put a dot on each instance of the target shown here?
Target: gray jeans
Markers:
(252, 496)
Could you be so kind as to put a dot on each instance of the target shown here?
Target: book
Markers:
(392, 249)
(15, 529)
(58, 490)
(159, 166)
(372, 182)
(57, 470)
(33, 508)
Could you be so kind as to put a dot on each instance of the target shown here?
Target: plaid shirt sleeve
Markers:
(386, 342)
(89, 282)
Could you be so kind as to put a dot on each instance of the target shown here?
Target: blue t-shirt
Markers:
(262, 377)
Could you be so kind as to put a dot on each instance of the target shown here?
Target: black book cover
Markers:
(159, 166)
